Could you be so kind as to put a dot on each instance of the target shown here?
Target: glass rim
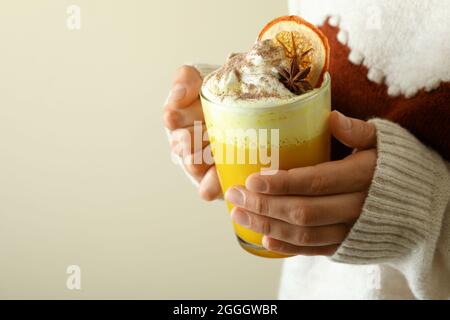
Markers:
(298, 102)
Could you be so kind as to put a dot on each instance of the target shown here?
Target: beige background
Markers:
(85, 172)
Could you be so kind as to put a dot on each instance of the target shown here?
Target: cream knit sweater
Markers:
(400, 246)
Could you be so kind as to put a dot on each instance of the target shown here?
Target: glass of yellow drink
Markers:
(301, 138)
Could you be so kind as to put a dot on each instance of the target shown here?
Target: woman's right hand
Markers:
(182, 109)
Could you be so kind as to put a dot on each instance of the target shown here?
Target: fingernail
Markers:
(344, 122)
(265, 242)
(235, 196)
(178, 92)
(256, 185)
(241, 218)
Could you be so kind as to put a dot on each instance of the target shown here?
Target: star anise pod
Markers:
(294, 78)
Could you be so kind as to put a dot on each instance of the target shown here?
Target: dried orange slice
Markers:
(302, 39)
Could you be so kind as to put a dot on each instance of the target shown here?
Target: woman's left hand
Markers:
(310, 210)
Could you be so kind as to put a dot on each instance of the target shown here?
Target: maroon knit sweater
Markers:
(427, 115)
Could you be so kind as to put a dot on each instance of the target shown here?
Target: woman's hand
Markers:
(309, 211)
(182, 108)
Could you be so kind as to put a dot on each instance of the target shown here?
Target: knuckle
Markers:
(306, 237)
(301, 215)
(171, 118)
(296, 215)
(318, 183)
(285, 184)
(261, 204)
(265, 226)
(286, 233)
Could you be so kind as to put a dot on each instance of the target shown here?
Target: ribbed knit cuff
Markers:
(396, 214)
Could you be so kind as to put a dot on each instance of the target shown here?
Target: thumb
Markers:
(186, 87)
(352, 132)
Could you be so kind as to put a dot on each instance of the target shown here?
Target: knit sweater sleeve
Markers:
(405, 221)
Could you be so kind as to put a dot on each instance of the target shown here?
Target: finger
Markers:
(283, 231)
(187, 141)
(352, 132)
(175, 118)
(284, 248)
(300, 211)
(185, 89)
(198, 164)
(210, 188)
(351, 174)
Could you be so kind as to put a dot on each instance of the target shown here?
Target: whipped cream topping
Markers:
(250, 78)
